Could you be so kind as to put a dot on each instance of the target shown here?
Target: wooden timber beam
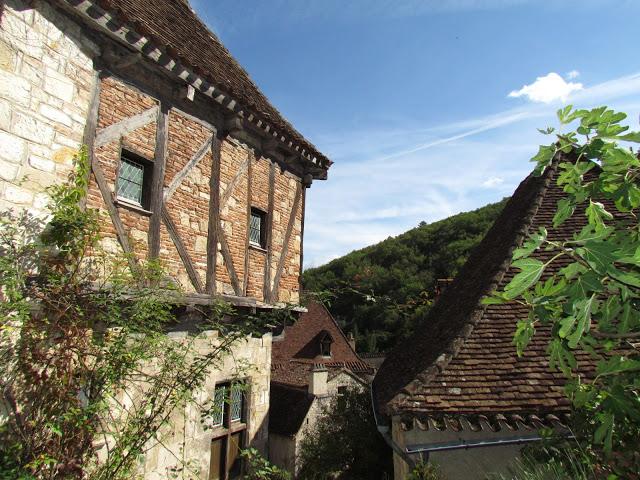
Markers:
(285, 246)
(177, 180)
(182, 250)
(266, 292)
(116, 131)
(121, 233)
(214, 214)
(234, 182)
(157, 180)
(245, 279)
(228, 261)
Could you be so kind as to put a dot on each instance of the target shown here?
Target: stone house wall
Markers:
(46, 80)
(249, 361)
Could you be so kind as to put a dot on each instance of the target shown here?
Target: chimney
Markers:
(441, 285)
(318, 380)
(352, 341)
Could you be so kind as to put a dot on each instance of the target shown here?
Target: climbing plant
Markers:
(89, 375)
(593, 303)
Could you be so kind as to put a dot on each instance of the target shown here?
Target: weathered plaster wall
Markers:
(472, 464)
(46, 80)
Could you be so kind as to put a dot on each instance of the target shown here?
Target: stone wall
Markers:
(184, 440)
(46, 80)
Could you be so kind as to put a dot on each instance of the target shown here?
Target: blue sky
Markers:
(428, 108)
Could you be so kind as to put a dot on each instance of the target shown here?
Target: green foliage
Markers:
(593, 303)
(425, 471)
(87, 366)
(379, 292)
(258, 468)
(345, 443)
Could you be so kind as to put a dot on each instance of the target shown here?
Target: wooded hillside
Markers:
(379, 292)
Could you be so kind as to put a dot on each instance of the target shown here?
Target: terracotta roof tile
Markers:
(175, 27)
(483, 375)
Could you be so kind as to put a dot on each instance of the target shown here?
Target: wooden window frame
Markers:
(147, 176)
(228, 429)
(323, 341)
(262, 215)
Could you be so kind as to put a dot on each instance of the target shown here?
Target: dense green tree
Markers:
(379, 292)
(345, 443)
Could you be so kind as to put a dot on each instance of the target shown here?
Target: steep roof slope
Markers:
(293, 356)
(461, 359)
(175, 27)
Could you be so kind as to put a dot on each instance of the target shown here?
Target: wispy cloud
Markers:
(395, 179)
(547, 89)
(572, 74)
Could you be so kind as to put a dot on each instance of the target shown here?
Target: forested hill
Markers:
(379, 292)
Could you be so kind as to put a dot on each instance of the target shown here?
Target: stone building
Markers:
(456, 392)
(312, 362)
(190, 164)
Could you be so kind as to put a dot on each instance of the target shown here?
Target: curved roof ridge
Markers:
(409, 367)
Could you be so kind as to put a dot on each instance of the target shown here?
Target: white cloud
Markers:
(573, 74)
(493, 182)
(385, 182)
(547, 89)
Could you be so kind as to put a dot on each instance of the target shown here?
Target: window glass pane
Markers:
(255, 226)
(130, 180)
(236, 403)
(218, 406)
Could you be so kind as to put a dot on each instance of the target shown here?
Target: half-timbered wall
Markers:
(196, 153)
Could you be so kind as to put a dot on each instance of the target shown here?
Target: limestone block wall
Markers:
(184, 436)
(46, 80)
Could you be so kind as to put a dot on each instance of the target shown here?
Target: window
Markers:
(257, 228)
(229, 431)
(134, 178)
(325, 345)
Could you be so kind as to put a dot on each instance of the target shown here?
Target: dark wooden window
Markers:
(257, 228)
(134, 179)
(229, 431)
(325, 345)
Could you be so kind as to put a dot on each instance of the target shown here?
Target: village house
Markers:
(456, 393)
(312, 362)
(190, 164)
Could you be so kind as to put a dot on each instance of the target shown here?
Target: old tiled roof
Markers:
(297, 373)
(288, 407)
(461, 359)
(293, 356)
(173, 26)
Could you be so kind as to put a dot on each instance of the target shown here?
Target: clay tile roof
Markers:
(175, 27)
(293, 356)
(461, 359)
(287, 409)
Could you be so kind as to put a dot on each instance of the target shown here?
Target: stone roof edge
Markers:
(146, 45)
(508, 422)
(394, 406)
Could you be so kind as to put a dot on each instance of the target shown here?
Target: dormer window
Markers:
(325, 345)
